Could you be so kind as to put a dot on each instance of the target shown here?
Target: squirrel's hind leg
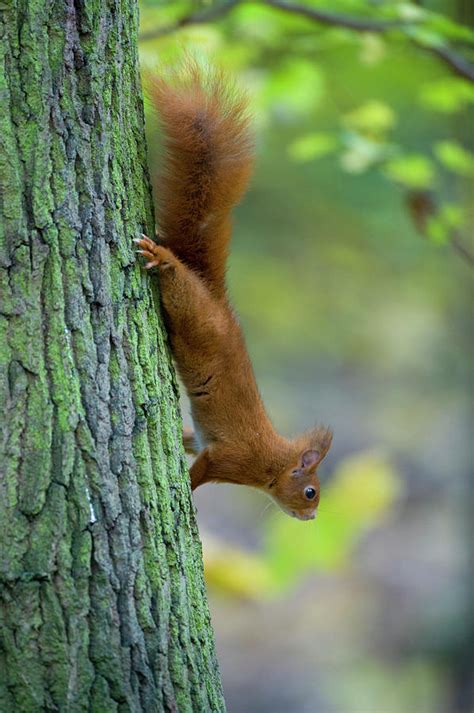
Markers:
(193, 313)
(189, 441)
(199, 469)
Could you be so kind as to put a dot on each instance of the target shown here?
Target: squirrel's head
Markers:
(296, 488)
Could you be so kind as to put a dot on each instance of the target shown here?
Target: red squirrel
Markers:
(208, 161)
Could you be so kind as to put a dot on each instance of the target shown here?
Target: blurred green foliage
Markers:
(405, 687)
(354, 318)
(329, 100)
(235, 572)
(288, 62)
(360, 497)
(361, 494)
(448, 95)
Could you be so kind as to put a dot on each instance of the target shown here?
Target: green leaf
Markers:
(451, 30)
(448, 218)
(425, 36)
(452, 215)
(295, 88)
(373, 118)
(447, 95)
(362, 153)
(436, 231)
(372, 48)
(312, 146)
(454, 157)
(409, 12)
(412, 171)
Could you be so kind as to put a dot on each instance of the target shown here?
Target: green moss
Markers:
(35, 469)
(100, 547)
(47, 528)
(54, 645)
(101, 701)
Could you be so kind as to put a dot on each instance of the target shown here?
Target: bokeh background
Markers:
(352, 272)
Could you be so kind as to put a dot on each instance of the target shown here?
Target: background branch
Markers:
(323, 17)
(457, 63)
(195, 18)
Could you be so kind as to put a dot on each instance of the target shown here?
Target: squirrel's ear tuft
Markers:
(320, 441)
(310, 458)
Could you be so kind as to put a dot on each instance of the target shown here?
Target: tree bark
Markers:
(102, 601)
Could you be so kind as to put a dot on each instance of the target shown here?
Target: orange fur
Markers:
(208, 162)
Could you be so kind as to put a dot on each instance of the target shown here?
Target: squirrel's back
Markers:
(207, 165)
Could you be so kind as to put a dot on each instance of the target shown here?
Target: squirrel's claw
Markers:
(147, 254)
(147, 249)
(156, 255)
(145, 242)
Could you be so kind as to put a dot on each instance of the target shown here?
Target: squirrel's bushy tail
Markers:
(207, 165)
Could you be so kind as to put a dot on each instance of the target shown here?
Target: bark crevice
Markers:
(102, 598)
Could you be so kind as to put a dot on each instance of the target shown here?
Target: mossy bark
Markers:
(102, 600)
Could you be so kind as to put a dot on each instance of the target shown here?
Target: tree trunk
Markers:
(102, 600)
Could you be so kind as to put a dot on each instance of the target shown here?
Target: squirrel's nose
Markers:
(311, 516)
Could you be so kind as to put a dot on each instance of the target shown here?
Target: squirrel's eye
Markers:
(310, 493)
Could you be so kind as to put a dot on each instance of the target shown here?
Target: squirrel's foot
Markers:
(157, 255)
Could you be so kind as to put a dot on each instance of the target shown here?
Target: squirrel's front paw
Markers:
(157, 255)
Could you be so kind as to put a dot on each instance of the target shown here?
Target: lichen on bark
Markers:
(102, 600)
